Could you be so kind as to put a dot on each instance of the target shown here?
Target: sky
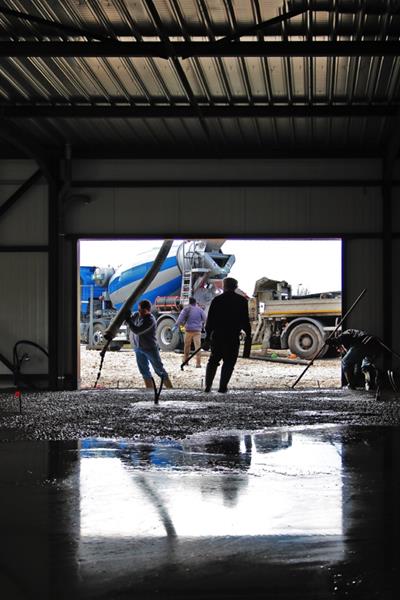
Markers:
(308, 265)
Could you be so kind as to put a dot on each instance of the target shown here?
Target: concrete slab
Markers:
(284, 512)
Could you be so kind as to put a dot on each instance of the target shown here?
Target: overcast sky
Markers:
(311, 264)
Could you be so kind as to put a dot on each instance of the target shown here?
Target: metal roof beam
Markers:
(69, 30)
(262, 26)
(29, 146)
(204, 49)
(189, 112)
(20, 192)
(178, 67)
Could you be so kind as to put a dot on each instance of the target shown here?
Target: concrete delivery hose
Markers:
(124, 311)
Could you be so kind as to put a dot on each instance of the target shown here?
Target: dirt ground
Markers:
(260, 397)
(120, 371)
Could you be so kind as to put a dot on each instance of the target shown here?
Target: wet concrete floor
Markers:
(293, 512)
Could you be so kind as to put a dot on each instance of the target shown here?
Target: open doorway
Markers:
(293, 288)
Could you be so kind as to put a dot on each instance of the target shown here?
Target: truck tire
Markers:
(98, 340)
(165, 338)
(305, 340)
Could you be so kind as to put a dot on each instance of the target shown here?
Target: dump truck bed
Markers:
(298, 307)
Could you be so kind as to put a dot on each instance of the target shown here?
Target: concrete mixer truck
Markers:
(192, 268)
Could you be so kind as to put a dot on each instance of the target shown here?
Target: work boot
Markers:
(370, 377)
(226, 374)
(210, 374)
(167, 383)
(349, 376)
(148, 382)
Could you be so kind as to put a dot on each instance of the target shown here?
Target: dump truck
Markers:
(192, 268)
(297, 323)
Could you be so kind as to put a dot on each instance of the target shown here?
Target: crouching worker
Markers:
(361, 350)
(144, 343)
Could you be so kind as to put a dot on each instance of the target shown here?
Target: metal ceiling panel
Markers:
(202, 82)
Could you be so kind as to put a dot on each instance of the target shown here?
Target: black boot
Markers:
(211, 369)
(349, 376)
(226, 374)
(370, 376)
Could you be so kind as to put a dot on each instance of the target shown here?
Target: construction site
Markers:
(256, 453)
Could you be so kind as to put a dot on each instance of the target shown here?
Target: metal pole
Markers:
(190, 356)
(90, 337)
(389, 349)
(331, 335)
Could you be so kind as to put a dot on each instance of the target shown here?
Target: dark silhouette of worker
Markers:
(228, 315)
(361, 351)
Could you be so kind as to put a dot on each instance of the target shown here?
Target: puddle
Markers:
(102, 513)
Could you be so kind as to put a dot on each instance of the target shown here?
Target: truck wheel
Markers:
(305, 340)
(98, 340)
(165, 338)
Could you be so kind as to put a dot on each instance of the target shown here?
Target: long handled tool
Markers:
(330, 336)
(157, 392)
(390, 373)
(190, 356)
(389, 349)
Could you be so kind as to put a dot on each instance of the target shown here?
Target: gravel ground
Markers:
(133, 414)
(120, 371)
(265, 399)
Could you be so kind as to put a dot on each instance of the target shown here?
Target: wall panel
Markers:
(97, 216)
(25, 223)
(396, 209)
(138, 210)
(396, 303)
(228, 169)
(16, 171)
(24, 304)
(212, 211)
(229, 211)
(363, 269)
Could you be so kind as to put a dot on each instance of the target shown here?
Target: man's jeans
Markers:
(357, 355)
(146, 357)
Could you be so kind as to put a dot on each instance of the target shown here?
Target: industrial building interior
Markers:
(196, 120)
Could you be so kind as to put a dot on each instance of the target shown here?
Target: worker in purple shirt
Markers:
(193, 318)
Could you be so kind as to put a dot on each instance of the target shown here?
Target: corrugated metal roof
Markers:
(61, 86)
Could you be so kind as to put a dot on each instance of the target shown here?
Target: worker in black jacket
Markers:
(360, 351)
(228, 315)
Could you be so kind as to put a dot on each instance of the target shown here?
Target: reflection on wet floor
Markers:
(225, 480)
(306, 512)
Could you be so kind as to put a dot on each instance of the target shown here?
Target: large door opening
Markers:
(293, 288)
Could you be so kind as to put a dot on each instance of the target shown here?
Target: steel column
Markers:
(54, 283)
